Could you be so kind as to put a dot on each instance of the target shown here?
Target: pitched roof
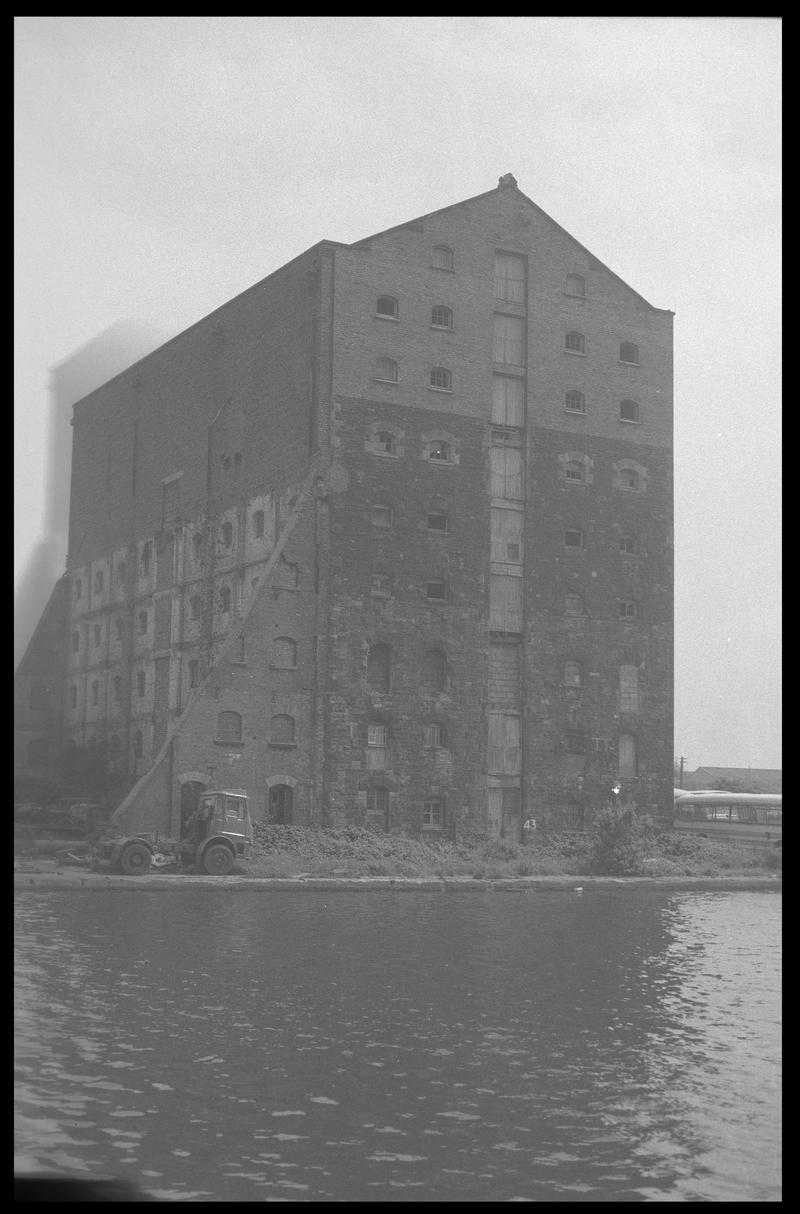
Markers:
(509, 182)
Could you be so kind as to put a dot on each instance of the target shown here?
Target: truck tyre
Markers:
(135, 859)
(218, 860)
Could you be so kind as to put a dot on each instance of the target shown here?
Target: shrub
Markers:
(619, 841)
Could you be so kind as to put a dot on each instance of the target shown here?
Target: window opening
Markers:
(575, 402)
(575, 343)
(441, 317)
(387, 306)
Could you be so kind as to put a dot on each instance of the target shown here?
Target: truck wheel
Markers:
(218, 860)
(135, 859)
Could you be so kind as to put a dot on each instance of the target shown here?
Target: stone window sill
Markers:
(230, 745)
(283, 745)
(576, 353)
(383, 316)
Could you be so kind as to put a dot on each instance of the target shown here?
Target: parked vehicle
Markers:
(751, 818)
(217, 834)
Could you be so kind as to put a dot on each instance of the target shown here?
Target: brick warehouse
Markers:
(387, 539)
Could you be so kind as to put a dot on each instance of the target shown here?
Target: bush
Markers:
(619, 841)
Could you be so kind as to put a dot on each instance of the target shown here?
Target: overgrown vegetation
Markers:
(620, 844)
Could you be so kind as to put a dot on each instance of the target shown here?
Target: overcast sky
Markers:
(164, 164)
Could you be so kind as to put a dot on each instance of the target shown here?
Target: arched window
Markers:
(440, 451)
(575, 471)
(138, 744)
(434, 670)
(574, 538)
(258, 524)
(575, 285)
(384, 442)
(386, 370)
(282, 730)
(627, 609)
(225, 599)
(575, 402)
(573, 604)
(441, 317)
(227, 535)
(438, 522)
(284, 653)
(379, 668)
(628, 411)
(142, 623)
(575, 343)
(629, 353)
(628, 478)
(627, 756)
(572, 674)
(441, 379)
(387, 306)
(442, 257)
(436, 590)
(76, 641)
(229, 727)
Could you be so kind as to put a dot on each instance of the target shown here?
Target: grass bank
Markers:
(286, 851)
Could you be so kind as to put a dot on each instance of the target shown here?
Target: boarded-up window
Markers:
(504, 744)
(505, 603)
(504, 674)
(627, 756)
(506, 465)
(229, 727)
(508, 340)
(503, 813)
(434, 670)
(282, 730)
(509, 277)
(506, 535)
(386, 370)
(170, 500)
(508, 401)
(628, 689)
(284, 653)
(163, 622)
(379, 664)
